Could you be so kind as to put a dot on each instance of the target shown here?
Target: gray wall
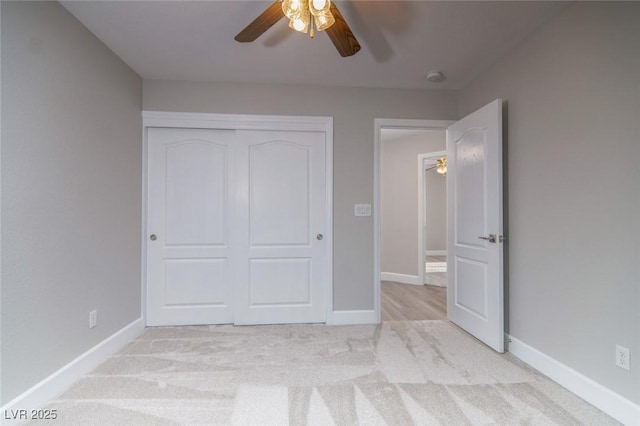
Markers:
(573, 107)
(71, 179)
(399, 199)
(354, 111)
(436, 210)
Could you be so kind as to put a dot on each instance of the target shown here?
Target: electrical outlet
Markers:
(93, 318)
(622, 357)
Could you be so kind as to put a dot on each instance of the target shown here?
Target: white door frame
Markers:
(244, 122)
(422, 196)
(379, 124)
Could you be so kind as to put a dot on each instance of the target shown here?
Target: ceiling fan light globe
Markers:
(299, 24)
(317, 7)
(321, 4)
(324, 21)
(294, 8)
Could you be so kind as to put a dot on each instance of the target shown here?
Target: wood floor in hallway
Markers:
(406, 302)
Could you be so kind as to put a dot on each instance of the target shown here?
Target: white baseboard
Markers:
(400, 278)
(55, 384)
(435, 252)
(594, 393)
(352, 317)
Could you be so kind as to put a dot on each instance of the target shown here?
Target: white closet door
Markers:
(190, 238)
(281, 206)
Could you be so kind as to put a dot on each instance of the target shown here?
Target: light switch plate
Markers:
(362, 210)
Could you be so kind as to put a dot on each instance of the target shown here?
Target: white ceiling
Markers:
(401, 40)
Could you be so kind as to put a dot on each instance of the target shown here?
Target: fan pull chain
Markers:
(312, 34)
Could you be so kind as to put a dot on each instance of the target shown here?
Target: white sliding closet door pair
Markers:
(235, 227)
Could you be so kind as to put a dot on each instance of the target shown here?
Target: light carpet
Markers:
(396, 373)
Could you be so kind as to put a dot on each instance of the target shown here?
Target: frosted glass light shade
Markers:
(324, 20)
(300, 23)
(317, 7)
(293, 9)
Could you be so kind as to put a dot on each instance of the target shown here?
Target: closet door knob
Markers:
(153, 237)
(319, 237)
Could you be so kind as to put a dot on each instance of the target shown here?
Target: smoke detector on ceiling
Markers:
(436, 76)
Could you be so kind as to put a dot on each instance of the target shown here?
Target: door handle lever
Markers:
(491, 238)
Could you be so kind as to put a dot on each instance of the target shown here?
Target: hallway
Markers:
(407, 302)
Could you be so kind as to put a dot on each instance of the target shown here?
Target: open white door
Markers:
(475, 249)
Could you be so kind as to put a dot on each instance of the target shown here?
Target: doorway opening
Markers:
(432, 211)
(400, 220)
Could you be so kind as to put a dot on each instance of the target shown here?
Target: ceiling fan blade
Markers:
(262, 23)
(341, 35)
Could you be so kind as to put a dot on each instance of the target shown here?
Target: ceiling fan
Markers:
(303, 14)
(440, 166)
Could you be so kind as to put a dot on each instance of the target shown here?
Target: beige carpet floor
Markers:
(396, 373)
